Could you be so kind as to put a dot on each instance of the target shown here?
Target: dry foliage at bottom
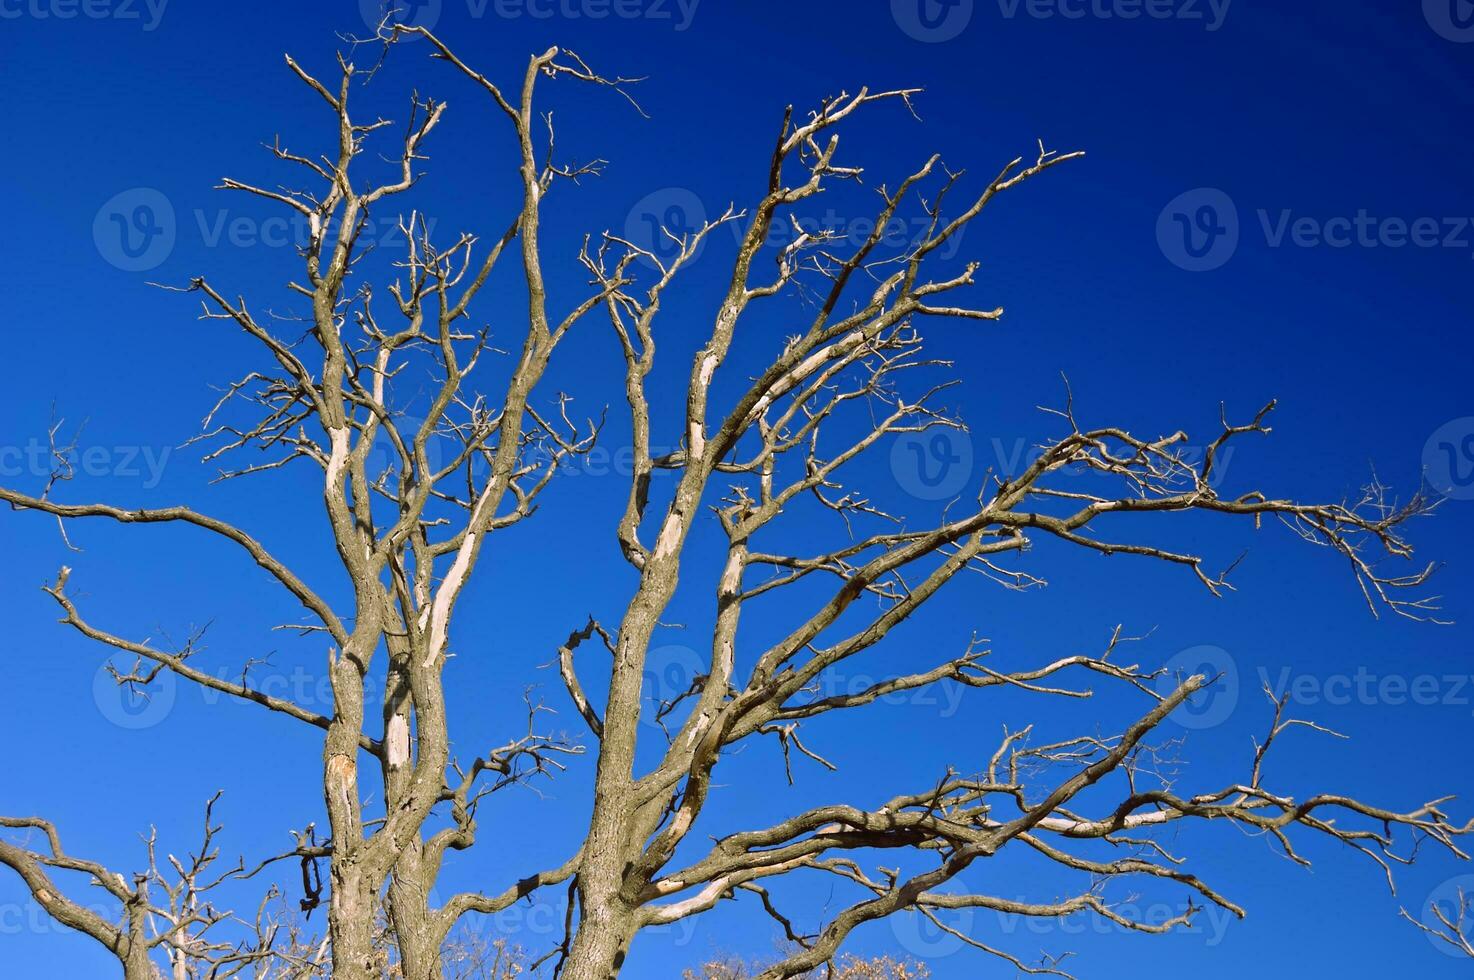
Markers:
(847, 968)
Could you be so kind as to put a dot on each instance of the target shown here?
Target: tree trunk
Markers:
(136, 964)
(414, 933)
(602, 939)
(351, 923)
(353, 890)
(133, 946)
(605, 921)
(419, 946)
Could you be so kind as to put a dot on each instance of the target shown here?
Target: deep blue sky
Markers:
(1314, 110)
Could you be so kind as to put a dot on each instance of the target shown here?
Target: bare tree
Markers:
(761, 453)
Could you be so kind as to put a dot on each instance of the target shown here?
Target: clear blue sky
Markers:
(1316, 134)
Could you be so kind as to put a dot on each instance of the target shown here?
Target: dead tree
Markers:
(469, 463)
